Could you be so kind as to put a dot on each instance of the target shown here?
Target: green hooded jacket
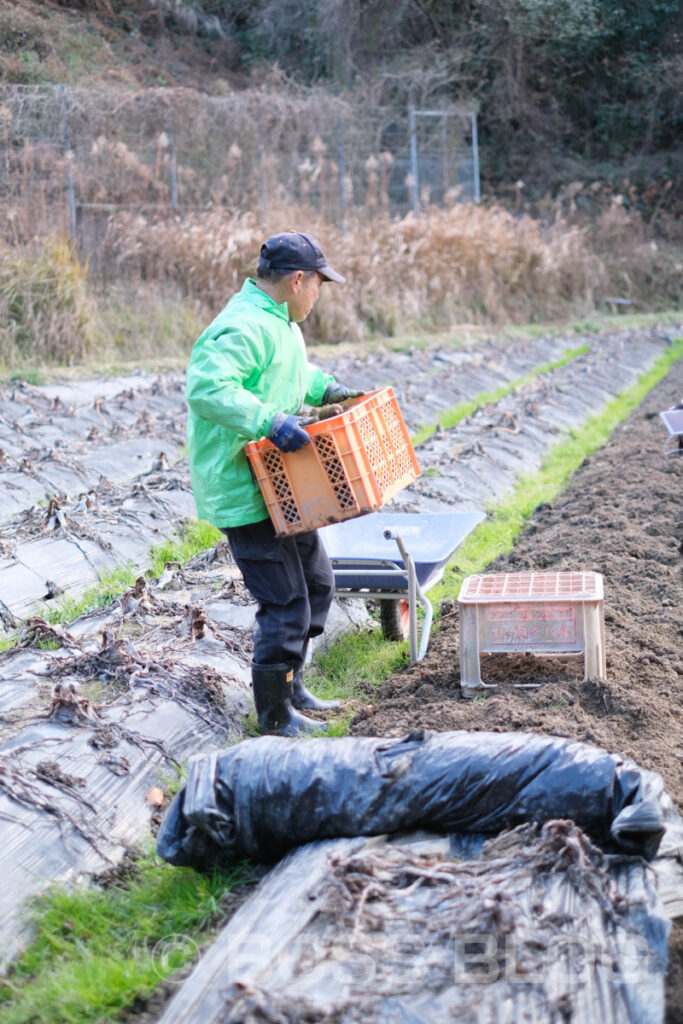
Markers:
(248, 364)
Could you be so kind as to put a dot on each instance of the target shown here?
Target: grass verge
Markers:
(351, 668)
(449, 417)
(359, 661)
(471, 334)
(99, 949)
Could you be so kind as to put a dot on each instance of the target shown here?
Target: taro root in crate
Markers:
(356, 461)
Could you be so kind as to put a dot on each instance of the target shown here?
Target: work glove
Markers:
(339, 393)
(287, 433)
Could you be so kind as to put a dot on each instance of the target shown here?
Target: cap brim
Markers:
(331, 275)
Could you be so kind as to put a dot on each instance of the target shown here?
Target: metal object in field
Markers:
(363, 567)
(673, 421)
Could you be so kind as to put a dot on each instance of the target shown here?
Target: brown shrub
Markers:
(465, 264)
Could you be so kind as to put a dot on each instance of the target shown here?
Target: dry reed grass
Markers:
(47, 313)
(464, 264)
(638, 266)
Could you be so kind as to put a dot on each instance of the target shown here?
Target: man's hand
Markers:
(287, 433)
(339, 393)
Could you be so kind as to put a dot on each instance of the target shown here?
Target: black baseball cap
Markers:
(293, 250)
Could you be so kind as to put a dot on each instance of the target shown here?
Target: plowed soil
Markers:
(622, 516)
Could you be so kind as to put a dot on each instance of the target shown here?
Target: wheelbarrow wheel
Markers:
(394, 619)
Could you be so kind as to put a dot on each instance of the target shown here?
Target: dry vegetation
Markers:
(464, 264)
(47, 310)
(173, 191)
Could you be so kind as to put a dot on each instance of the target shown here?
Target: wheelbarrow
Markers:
(362, 554)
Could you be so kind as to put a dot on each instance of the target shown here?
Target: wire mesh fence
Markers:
(73, 157)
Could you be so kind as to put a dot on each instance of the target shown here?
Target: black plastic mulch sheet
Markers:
(265, 796)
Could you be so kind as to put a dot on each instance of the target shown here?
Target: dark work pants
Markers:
(292, 580)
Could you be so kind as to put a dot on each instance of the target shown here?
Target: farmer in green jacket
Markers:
(248, 378)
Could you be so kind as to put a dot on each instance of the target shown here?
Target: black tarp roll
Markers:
(265, 796)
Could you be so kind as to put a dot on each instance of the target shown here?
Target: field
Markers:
(108, 691)
(523, 300)
(620, 516)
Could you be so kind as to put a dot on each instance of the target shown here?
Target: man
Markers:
(249, 377)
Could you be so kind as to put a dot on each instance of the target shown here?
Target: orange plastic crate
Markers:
(356, 461)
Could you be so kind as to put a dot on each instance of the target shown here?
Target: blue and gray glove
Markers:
(339, 393)
(287, 433)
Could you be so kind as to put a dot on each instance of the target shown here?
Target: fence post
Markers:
(342, 174)
(173, 167)
(262, 170)
(475, 159)
(445, 163)
(413, 159)
(69, 169)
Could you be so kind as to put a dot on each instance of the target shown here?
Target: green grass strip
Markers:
(449, 417)
(352, 663)
(112, 583)
(195, 536)
(96, 950)
(351, 668)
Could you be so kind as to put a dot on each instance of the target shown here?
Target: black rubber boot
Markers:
(304, 699)
(273, 686)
